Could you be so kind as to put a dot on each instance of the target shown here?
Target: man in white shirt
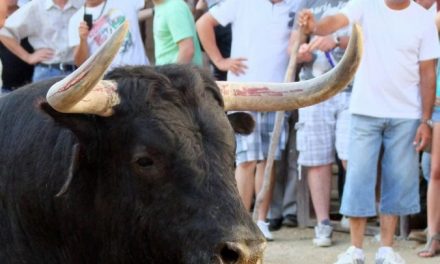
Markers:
(44, 23)
(106, 16)
(391, 105)
(260, 37)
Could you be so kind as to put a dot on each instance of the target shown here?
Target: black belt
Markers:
(58, 66)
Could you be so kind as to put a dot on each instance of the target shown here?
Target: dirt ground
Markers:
(294, 246)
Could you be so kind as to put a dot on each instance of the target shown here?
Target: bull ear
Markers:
(242, 122)
(83, 126)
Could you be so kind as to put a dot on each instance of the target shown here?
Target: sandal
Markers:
(428, 250)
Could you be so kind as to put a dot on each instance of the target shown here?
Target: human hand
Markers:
(234, 65)
(325, 43)
(201, 5)
(83, 31)
(306, 21)
(423, 137)
(40, 55)
(304, 54)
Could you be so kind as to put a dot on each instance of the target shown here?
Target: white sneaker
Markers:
(390, 258)
(349, 257)
(323, 235)
(264, 228)
(345, 222)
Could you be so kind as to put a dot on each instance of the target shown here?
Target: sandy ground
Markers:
(294, 245)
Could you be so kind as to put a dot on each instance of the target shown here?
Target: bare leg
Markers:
(264, 207)
(433, 194)
(245, 177)
(319, 180)
(357, 229)
(388, 224)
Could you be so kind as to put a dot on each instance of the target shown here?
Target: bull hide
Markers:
(153, 183)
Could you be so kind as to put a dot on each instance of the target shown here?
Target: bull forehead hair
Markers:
(182, 85)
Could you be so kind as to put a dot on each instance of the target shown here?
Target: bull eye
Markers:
(145, 162)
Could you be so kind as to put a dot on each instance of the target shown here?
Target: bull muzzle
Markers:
(250, 252)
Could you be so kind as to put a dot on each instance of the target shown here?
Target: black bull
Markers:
(137, 168)
(153, 183)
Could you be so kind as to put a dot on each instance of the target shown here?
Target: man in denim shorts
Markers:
(391, 105)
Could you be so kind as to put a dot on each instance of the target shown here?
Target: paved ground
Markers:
(294, 245)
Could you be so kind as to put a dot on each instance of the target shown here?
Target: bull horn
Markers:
(268, 97)
(84, 91)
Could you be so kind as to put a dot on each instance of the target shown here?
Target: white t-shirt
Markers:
(260, 33)
(106, 18)
(387, 81)
(20, 3)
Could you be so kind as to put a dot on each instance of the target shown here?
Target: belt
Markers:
(58, 66)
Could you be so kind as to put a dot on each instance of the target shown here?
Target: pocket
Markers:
(301, 136)
(241, 143)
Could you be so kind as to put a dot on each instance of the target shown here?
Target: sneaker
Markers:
(275, 224)
(290, 220)
(345, 222)
(350, 257)
(390, 258)
(264, 228)
(323, 235)
(418, 235)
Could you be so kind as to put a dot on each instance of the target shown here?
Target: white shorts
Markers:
(323, 129)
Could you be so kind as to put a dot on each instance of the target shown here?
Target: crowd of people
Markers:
(377, 127)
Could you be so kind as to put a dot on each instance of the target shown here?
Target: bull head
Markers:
(84, 91)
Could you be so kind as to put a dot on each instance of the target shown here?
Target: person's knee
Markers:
(247, 165)
(435, 172)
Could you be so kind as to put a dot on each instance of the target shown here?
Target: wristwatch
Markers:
(427, 121)
(336, 40)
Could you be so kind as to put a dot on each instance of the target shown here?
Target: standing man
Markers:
(105, 16)
(223, 36)
(260, 37)
(391, 105)
(322, 129)
(45, 24)
(175, 36)
(17, 73)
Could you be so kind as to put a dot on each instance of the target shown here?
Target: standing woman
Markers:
(432, 246)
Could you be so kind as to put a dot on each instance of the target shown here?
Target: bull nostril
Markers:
(229, 254)
(246, 252)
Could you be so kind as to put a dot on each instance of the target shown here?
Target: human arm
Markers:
(427, 91)
(31, 58)
(186, 51)
(329, 42)
(3, 12)
(323, 27)
(19, 25)
(200, 9)
(205, 28)
(81, 52)
(145, 13)
(437, 21)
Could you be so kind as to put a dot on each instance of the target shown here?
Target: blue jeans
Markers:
(44, 73)
(400, 167)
